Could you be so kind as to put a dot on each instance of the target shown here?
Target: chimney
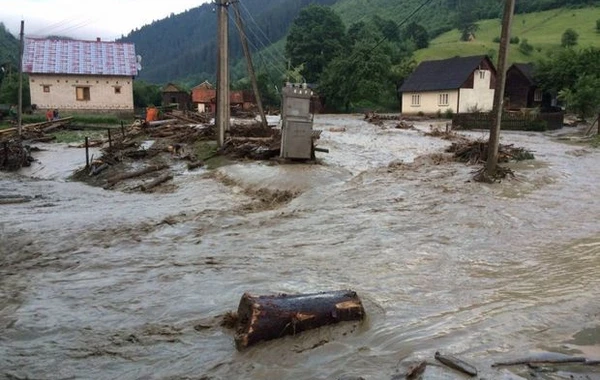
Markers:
(98, 39)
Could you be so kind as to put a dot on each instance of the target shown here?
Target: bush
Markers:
(525, 47)
(598, 26)
(497, 40)
(514, 40)
(569, 38)
(449, 113)
(537, 126)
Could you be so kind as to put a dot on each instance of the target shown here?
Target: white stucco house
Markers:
(459, 85)
(80, 76)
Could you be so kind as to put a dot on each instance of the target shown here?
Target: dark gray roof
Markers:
(527, 69)
(445, 74)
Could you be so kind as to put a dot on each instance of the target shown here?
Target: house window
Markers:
(416, 100)
(117, 89)
(481, 74)
(46, 88)
(537, 95)
(443, 101)
(82, 93)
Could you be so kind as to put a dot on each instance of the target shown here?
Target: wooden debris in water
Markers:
(456, 363)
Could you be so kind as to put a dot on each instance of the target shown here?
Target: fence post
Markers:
(109, 139)
(122, 129)
(87, 153)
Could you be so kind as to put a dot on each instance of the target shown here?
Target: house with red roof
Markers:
(80, 76)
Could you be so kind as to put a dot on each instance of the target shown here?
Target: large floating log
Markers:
(262, 318)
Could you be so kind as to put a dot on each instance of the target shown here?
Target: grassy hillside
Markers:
(543, 30)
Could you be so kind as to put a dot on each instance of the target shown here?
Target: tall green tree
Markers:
(418, 34)
(316, 37)
(575, 75)
(361, 76)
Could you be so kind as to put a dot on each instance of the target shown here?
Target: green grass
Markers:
(71, 137)
(207, 151)
(79, 119)
(543, 30)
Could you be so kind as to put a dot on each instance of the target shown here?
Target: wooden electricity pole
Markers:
(244, 39)
(222, 115)
(20, 109)
(492, 159)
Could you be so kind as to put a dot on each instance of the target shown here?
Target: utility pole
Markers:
(222, 116)
(244, 39)
(20, 109)
(492, 159)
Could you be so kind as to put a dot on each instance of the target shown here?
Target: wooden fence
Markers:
(510, 121)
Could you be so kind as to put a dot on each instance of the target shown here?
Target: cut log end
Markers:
(263, 318)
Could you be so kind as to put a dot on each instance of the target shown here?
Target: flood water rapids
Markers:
(101, 284)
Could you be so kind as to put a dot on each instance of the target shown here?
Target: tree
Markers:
(145, 94)
(569, 38)
(563, 69)
(467, 23)
(583, 98)
(418, 34)
(9, 91)
(361, 76)
(525, 47)
(315, 38)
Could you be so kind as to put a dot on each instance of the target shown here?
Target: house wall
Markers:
(62, 92)
(429, 102)
(480, 96)
(518, 90)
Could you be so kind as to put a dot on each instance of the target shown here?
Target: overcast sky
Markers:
(107, 19)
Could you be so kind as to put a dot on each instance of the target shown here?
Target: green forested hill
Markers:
(183, 47)
(9, 48)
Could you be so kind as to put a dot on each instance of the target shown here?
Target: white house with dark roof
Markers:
(459, 85)
(84, 76)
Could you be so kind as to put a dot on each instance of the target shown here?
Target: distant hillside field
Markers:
(543, 30)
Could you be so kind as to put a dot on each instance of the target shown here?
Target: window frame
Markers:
(416, 100)
(46, 88)
(444, 96)
(86, 94)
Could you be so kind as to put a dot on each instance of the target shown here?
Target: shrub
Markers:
(449, 113)
(598, 26)
(497, 40)
(569, 38)
(525, 47)
(514, 40)
(420, 113)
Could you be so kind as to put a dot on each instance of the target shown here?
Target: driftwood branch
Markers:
(152, 184)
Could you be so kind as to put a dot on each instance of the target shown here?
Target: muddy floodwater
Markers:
(99, 284)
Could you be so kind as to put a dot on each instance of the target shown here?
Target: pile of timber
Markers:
(256, 129)
(190, 117)
(37, 132)
(254, 148)
(14, 155)
(476, 152)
